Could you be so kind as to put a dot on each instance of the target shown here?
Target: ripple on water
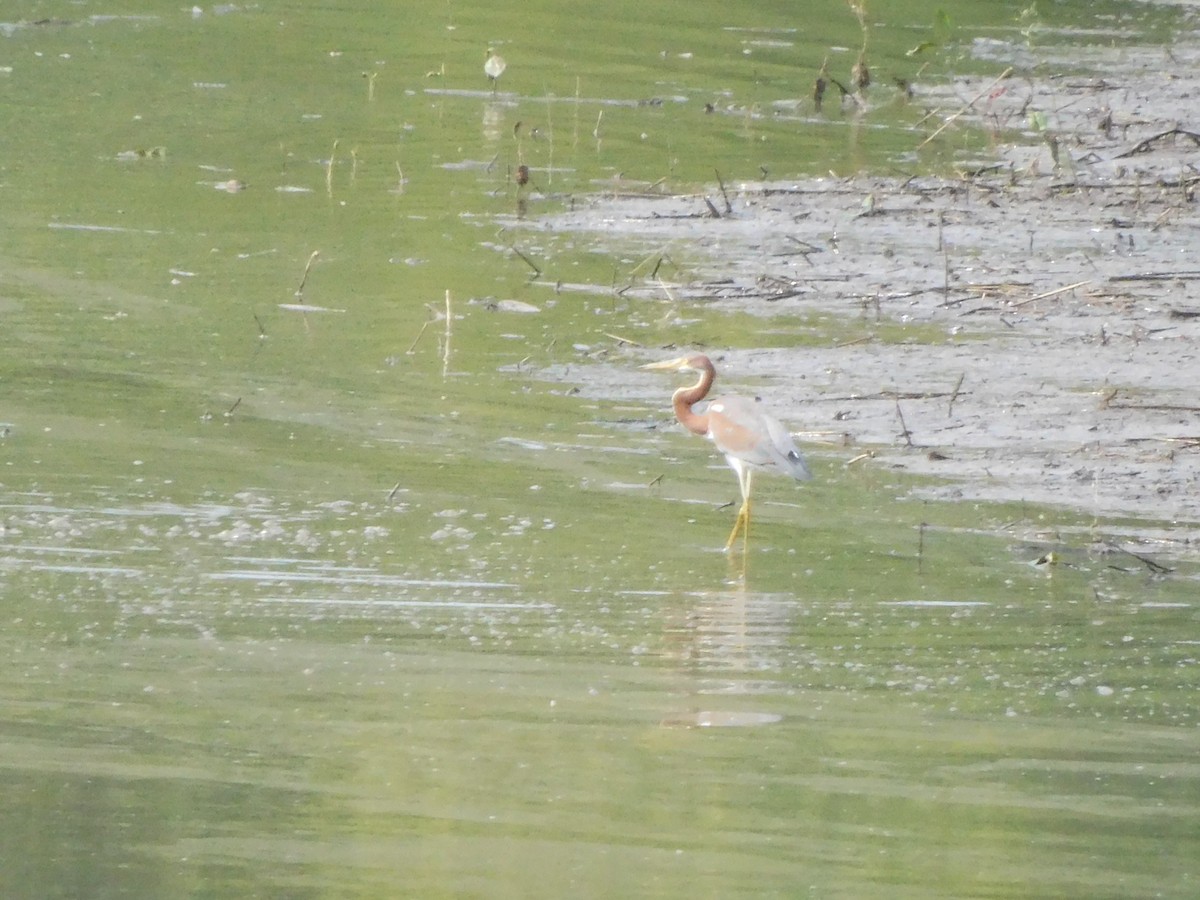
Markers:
(715, 718)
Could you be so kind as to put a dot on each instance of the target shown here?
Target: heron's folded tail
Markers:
(793, 463)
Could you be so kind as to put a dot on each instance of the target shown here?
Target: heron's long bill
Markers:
(679, 362)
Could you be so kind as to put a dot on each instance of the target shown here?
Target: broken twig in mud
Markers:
(1154, 407)
(904, 427)
(537, 273)
(1188, 443)
(1156, 568)
(806, 247)
(1049, 294)
(950, 121)
(892, 395)
(954, 395)
(658, 258)
(724, 193)
(622, 340)
(666, 289)
(1144, 146)
(1191, 275)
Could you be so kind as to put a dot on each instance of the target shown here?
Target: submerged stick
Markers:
(434, 316)
(666, 289)
(950, 121)
(721, 183)
(622, 340)
(658, 257)
(299, 294)
(446, 346)
(1157, 568)
(920, 546)
(1053, 293)
(865, 339)
(575, 120)
(537, 273)
(550, 132)
(417, 339)
(329, 168)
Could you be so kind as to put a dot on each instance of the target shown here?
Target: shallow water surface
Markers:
(333, 567)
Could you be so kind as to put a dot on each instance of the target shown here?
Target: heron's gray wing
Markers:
(789, 458)
(740, 428)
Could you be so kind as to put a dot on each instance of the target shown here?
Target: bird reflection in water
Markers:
(730, 645)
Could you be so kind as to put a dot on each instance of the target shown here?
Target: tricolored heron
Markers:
(748, 437)
(494, 67)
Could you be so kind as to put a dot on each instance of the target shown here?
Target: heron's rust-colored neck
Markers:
(683, 398)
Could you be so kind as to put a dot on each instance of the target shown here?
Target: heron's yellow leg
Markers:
(743, 525)
(746, 528)
(745, 479)
(737, 526)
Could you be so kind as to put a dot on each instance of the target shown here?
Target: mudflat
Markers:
(1049, 293)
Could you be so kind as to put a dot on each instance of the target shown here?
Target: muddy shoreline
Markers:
(1052, 296)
